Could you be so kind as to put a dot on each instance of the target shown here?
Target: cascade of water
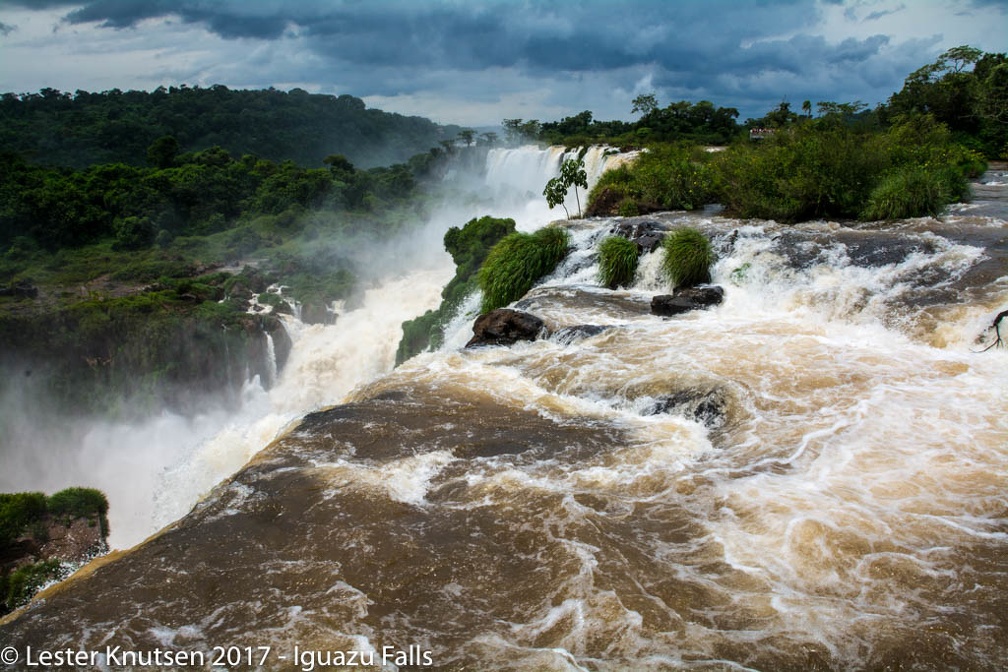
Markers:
(271, 361)
(517, 176)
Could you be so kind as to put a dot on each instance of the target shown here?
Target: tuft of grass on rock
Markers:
(618, 258)
(517, 262)
(913, 191)
(688, 257)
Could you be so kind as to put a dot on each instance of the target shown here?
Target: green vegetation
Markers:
(909, 157)
(966, 90)
(688, 257)
(136, 127)
(18, 587)
(572, 174)
(618, 258)
(517, 262)
(21, 512)
(125, 305)
(818, 168)
(18, 512)
(27, 514)
(700, 123)
(908, 191)
(666, 177)
(825, 168)
(78, 503)
(199, 194)
(469, 247)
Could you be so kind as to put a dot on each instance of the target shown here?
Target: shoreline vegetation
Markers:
(41, 538)
(132, 247)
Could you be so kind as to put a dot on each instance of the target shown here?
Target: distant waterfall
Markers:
(271, 360)
(519, 174)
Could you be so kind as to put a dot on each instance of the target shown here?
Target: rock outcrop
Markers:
(708, 407)
(505, 326)
(578, 332)
(685, 299)
(648, 235)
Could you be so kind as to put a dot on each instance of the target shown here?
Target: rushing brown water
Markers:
(811, 476)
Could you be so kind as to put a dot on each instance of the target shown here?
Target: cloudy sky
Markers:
(476, 62)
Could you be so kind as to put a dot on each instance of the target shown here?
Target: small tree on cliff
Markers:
(572, 174)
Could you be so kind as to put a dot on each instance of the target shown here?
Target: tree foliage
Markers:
(83, 128)
(572, 174)
(666, 177)
(195, 193)
(965, 89)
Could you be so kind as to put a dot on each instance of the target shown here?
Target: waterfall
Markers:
(271, 361)
(517, 176)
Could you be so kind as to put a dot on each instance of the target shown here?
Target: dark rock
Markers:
(705, 406)
(505, 327)
(605, 202)
(647, 234)
(75, 540)
(685, 299)
(21, 290)
(316, 313)
(568, 335)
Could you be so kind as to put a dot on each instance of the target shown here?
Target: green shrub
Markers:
(911, 191)
(469, 247)
(426, 331)
(133, 233)
(78, 503)
(688, 257)
(17, 512)
(25, 581)
(627, 208)
(666, 177)
(812, 171)
(618, 258)
(517, 262)
(674, 178)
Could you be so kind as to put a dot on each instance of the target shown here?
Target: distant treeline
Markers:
(82, 129)
(965, 89)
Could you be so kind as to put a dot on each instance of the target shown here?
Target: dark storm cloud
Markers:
(557, 52)
(875, 16)
(42, 4)
(228, 21)
(390, 48)
(541, 35)
(5, 29)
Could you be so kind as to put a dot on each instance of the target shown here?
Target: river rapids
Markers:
(811, 476)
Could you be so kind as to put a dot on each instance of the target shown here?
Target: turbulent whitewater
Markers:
(812, 475)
